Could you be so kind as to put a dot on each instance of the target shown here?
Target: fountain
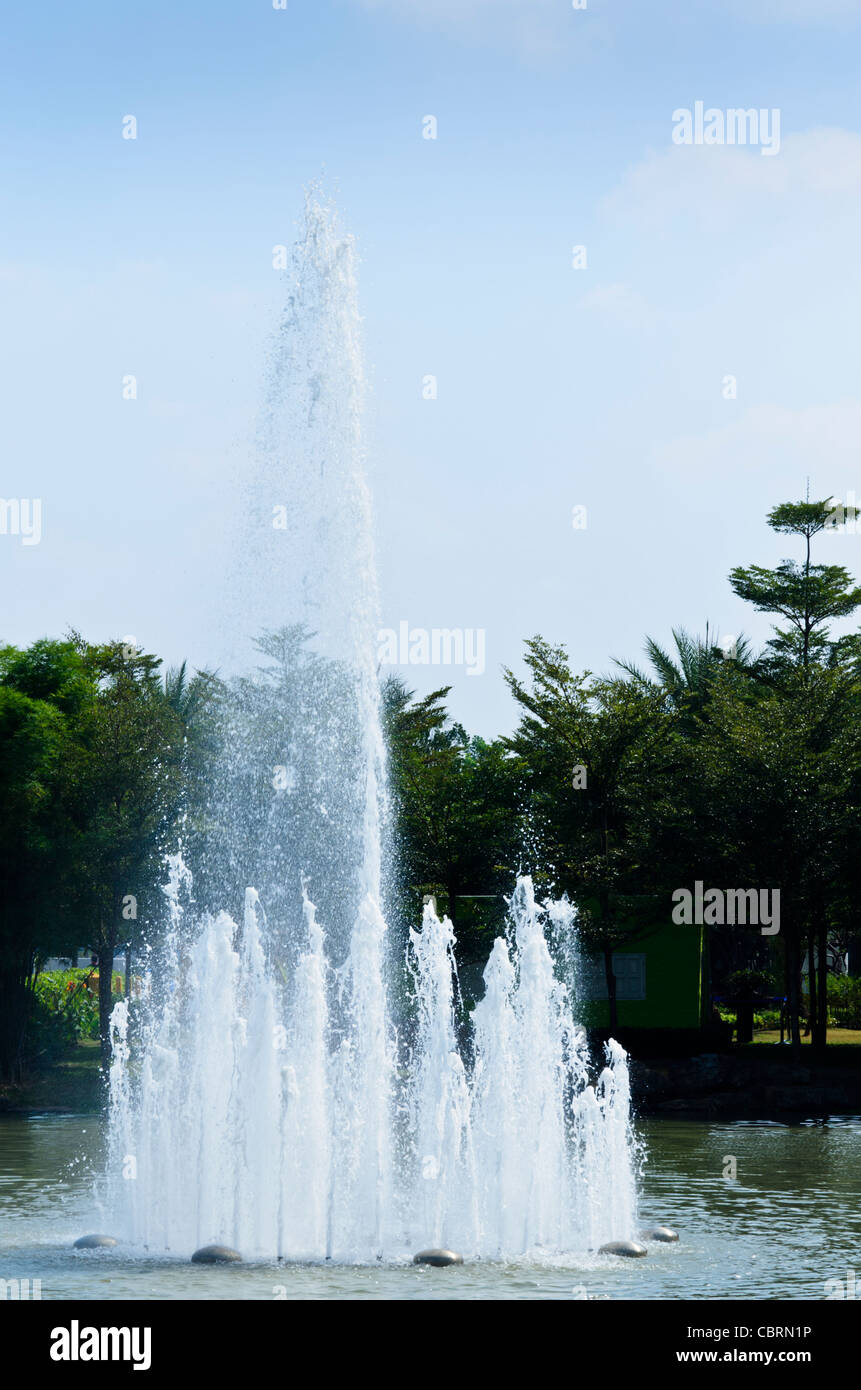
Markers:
(265, 1100)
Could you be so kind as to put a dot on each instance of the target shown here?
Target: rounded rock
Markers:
(661, 1233)
(216, 1255)
(630, 1248)
(94, 1242)
(438, 1258)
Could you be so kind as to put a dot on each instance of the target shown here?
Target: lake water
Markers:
(788, 1221)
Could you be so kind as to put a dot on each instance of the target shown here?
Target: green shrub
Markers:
(844, 1000)
(748, 984)
(65, 1010)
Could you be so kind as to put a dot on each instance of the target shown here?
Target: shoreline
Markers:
(756, 1082)
(752, 1083)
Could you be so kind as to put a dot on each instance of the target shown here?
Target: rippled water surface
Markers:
(789, 1221)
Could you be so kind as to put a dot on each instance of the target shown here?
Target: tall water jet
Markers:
(261, 1097)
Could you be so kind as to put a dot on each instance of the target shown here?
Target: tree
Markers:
(781, 776)
(456, 803)
(809, 712)
(599, 755)
(686, 679)
(808, 596)
(43, 692)
(122, 791)
(95, 758)
(279, 798)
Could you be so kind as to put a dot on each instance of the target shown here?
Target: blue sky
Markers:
(600, 387)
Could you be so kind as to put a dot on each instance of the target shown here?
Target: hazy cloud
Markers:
(532, 26)
(619, 301)
(718, 182)
(797, 11)
(546, 25)
(820, 440)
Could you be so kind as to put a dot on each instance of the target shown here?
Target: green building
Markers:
(663, 992)
(661, 981)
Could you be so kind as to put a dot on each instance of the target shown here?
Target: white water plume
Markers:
(260, 1096)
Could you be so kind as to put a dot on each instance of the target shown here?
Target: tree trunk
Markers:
(811, 985)
(706, 1005)
(14, 1016)
(106, 969)
(744, 1021)
(793, 982)
(820, 1037)
(128, 970)
(611, 989)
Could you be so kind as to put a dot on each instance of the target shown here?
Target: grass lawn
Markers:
(837, 1037)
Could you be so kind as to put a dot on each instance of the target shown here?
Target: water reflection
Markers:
(790, 1220)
